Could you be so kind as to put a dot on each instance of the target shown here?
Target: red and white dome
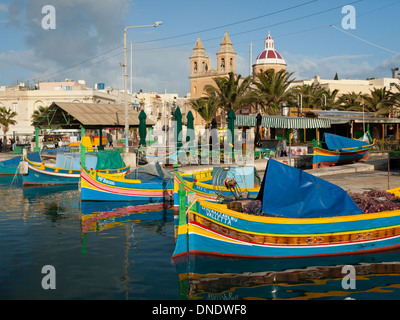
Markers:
(269, 55)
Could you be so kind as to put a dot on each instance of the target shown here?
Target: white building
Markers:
(24, 101)
(161, 107)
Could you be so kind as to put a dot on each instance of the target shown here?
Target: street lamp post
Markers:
(156, 24)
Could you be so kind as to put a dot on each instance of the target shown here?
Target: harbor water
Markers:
(122, 251)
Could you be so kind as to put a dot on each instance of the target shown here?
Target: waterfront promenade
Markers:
(356, 177)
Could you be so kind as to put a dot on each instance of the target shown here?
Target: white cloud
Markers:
(84, 31)
(346, 66)
(384, 68)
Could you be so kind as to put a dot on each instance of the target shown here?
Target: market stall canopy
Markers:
(283, 122)
(338, 116)
(88, 115)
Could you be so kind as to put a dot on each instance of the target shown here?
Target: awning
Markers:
(283, 122)
(88, 115)
(294, 122)
(245, 121)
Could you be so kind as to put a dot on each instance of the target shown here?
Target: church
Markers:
(202, 72)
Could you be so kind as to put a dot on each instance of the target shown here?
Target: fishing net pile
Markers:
(376, 201)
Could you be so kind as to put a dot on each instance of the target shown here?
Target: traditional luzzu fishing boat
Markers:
(67, 168)
(11, 166)
(341, 150)
(213, 184)
(149, 183)
(300, 215)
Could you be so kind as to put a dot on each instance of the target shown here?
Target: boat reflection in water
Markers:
(216, 278)
(99, 216)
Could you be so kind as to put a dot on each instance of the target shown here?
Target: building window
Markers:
(15, 107)
(67, 88)
(195, 66)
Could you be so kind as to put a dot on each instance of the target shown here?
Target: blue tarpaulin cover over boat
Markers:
(335, 142)
(292, 193)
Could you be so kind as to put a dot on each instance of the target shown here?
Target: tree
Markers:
(312, 95)
(206, 107)
(232, 92)
(336, 77)
(37, 113)
(6, 119)
(272, 90)
(351, 101)
(395, 98)
(331, 99)
(380, 101)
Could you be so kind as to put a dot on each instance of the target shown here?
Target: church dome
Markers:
(269, 55)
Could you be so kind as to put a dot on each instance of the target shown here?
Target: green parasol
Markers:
(178, 129)
(142, 128)
(190, 127)
(231, 128)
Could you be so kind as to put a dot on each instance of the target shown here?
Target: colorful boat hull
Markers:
(212, 229)
(97, 186)
(323, 158)
(342, 150)
(40, 174)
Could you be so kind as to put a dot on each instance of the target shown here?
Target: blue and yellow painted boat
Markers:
(60, 174)
(302, 216)
(341, 150)
(97, 186)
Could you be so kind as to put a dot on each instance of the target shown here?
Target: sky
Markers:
(87, 42)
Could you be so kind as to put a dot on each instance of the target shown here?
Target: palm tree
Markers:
(232, 92)
(331, 99)
(395, 98)
(206, 107)
(380, 101)
(312, 95)
(352, 101)
(37, 113)
(272, 90)
(6, 119)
